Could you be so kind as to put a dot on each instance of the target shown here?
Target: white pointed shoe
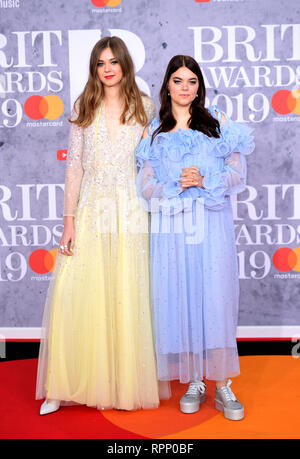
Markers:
(49, 406)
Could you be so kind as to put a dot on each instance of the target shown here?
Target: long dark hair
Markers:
(201, 119)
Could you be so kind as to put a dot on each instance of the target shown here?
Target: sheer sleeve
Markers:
(231, 178)
(149, 186)
(149, 107)
(74, 169)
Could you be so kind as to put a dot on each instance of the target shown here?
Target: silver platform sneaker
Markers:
(194, 396)
(226, 401)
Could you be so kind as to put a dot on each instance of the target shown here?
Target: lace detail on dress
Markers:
(76, 164)
(149, 107)
(74, 169)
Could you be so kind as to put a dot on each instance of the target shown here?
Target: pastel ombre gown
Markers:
(97, 343)
(194, 269)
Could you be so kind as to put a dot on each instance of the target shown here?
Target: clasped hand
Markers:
(190, 176)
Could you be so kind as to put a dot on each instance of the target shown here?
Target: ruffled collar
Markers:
(188, 142)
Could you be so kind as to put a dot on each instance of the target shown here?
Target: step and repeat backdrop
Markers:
(249, 52)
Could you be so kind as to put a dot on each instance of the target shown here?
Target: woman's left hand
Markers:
(191, 177)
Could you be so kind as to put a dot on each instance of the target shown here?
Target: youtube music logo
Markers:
(61, 155)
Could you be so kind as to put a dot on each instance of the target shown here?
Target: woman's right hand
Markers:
(67, 241)
(190, 177)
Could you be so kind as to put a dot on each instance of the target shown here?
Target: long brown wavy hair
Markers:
(201, 119)
(88, 102)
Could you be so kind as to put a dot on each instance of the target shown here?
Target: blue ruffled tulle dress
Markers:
(194, 266)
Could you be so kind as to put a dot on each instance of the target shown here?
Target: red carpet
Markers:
(268, 387)
(19, 411)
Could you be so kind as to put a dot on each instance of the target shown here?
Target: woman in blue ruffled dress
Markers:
(191, 159)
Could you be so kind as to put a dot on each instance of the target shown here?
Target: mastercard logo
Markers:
(285, 101)
(42, 261)
(49, 107)
(102, 3)
(286, 259)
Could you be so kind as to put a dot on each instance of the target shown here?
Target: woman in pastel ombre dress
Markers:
(191, 159)
(97, 343)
